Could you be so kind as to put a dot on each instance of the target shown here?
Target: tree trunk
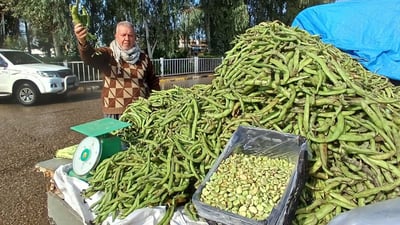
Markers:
(28, 37)
(149, 50)
(56, 44)
(208, 33)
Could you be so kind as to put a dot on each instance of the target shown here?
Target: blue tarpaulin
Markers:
(368, 30)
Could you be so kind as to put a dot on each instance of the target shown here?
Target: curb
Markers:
(183, 78)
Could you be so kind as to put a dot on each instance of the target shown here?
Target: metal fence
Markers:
(162, 67)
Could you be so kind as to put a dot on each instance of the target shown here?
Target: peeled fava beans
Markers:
(248, 185)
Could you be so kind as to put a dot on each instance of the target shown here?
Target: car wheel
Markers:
(27, 94)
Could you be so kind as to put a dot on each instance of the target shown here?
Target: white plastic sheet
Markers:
(72, 187)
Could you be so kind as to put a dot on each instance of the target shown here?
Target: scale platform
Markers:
(100, 127)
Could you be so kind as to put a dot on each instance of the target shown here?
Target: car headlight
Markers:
(48, 73)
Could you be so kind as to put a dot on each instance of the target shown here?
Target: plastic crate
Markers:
(261, 142)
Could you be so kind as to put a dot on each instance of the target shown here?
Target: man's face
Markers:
(125, 37)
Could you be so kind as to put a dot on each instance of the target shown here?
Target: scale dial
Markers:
(86, 156)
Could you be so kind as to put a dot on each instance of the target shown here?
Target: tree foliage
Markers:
(159, 24)
(47, 20)
(224, 19)
(9, 28)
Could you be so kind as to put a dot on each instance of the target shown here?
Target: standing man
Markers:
(127, 71)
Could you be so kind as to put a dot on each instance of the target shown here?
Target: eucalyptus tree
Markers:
(46, 18)
(282, 10)
(267, 10)
(156, 22)
(107, 13)
(190, 23)
(223, 20)
(9, 25)
(161, 23)
(187, 20)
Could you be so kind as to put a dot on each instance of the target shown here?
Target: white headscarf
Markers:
(130, 56)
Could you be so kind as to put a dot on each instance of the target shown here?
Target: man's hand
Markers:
(80, 32)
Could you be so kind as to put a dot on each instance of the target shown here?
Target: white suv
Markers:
(27, 78)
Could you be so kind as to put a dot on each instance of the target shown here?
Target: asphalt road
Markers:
(29, 135)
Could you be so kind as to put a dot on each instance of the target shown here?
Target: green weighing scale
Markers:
(99, 144)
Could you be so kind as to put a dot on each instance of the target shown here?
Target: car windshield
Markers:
(18, 58)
